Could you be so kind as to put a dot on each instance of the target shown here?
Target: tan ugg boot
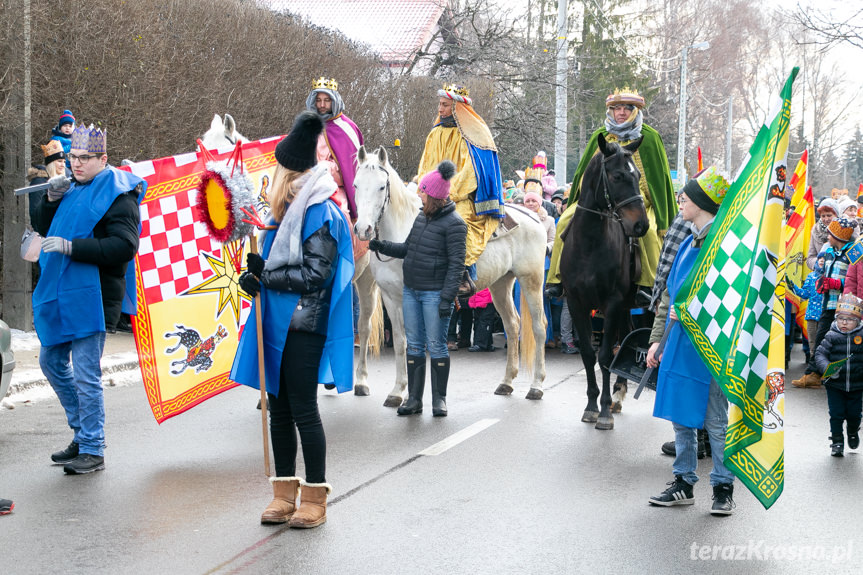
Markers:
(313, 506)
(284, 503)
(808, 380)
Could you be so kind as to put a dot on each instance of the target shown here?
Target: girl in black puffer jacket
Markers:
(844, 341)
(434, 263)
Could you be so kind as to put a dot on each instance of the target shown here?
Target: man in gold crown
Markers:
(90, 225)
(462, 136)
(624, 124)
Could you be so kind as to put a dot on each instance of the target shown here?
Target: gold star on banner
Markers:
(225, 280)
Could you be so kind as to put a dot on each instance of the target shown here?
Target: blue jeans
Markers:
(79, 387)
(424, 328)
(686, 441)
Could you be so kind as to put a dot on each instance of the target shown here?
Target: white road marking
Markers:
(458, 437)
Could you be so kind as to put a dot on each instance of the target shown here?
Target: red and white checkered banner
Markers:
(190, 307)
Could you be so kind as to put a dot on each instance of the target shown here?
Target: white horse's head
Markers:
(372, 190)
(222, 134)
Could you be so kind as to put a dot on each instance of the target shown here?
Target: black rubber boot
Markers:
(439, 379)
(416, 385)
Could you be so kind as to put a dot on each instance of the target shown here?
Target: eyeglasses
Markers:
(681, 199)
(627, 107)
(81, 159)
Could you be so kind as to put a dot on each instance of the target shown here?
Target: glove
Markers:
(375, 245)
(444, 309)
(250, 284)
(57, 186)
(255, 264)
(57, 244)
(823, 285)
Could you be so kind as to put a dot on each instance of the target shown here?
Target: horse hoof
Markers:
(361, 390)
(393, 401)
(616, 407)
(503, 389)
(590, 416)
(534, 393)
(605, 423)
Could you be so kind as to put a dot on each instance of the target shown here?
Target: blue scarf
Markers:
(277, 308)
(67, 302)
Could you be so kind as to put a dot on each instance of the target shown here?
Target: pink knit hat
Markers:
(436, 184)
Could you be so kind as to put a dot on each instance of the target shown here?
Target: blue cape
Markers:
(67, 302)
(337, 361)
(684, 381)
(489, 197)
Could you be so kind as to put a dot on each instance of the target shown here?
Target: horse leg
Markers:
(393, 303)
(613, 320)
(369, 294)
(531, 291)
(620, 388)
(582, 325)
(501, 295)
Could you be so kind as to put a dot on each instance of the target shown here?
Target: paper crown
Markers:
(325, 84)
(455, 92)
(53, 151)
(91, 139)
(540, 160)
(849, 304)
(625, 96)
(534, 175)
(713, 183)
(842, 229)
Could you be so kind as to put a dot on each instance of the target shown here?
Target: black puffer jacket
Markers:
(836, 346)
(112, 247)
(312, 279)
(433, 252)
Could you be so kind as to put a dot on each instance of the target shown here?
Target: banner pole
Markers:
(262, 379)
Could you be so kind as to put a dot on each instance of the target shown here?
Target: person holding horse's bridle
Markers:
(686, 393)
(624, 124)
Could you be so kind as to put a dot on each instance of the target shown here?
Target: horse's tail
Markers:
(526, 338)
(376, 335)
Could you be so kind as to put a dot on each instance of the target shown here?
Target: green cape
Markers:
(655, 162)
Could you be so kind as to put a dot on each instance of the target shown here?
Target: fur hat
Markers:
(842, 229)
(707, 189)
(297, 150)
(436, 183)
(850, 305)
(65, 118)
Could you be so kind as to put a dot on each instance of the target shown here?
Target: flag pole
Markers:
(262, 379)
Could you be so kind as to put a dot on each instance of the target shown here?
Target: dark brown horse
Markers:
(596, 263)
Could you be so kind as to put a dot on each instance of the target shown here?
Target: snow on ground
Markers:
(24, 340)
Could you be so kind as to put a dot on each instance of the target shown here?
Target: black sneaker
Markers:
(6, 506)
(85, 463)
(854, 439)
(669, 448)
(723, 503)
(680, 493)
(65, 456)
(837, 449)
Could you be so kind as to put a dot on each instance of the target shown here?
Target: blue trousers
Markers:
(686, 442)
(424, 328)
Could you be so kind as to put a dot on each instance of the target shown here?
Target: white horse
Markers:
(222, 134)
(387, 210)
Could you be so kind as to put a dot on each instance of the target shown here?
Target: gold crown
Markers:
(325, 84)
(456, 89)
(625, 96)
(849, 305)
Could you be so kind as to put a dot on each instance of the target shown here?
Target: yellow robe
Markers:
(448, 144)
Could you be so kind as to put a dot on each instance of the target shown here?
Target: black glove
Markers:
(444, 309)
(375, 245)
(250, 284)
(254, 264)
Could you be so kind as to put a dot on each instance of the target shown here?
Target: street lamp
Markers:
(681, 128)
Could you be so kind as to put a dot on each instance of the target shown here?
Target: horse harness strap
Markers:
(381, 214)
(611, 210)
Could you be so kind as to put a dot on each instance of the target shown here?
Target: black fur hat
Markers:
(296, 151)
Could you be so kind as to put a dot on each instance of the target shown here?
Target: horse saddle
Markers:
(508, 223)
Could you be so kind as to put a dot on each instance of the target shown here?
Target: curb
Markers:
(24, 380)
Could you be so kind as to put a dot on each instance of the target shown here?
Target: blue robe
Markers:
(67, 302)
(683, 383)
(277, 307)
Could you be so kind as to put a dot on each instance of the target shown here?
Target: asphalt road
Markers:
(529, 489)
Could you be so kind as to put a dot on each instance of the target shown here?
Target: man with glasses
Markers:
(624, 124)
(90, 225)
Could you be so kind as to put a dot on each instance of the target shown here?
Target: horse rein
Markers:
(381, 214)
(611, 211)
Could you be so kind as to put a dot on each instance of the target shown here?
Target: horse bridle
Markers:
(381, 213)
(611, 211)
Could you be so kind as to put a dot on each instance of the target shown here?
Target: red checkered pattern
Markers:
(170, 247)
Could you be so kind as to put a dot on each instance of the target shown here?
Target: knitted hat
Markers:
(533, 196)
(436, 183)
(844, 203)
(842, 229)
(296, 151)
(849, 304)
(53, 151)
(828, 205)
(707, 189)
(559, 194)
(66, 118)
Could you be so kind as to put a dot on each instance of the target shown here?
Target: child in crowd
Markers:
(483, 320)
(813, 309)
(844, 341)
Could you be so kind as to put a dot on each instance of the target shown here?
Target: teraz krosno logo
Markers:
(760, 550)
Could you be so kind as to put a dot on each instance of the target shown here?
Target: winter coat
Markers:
(854, 279)
(836, 266)
(807, 292)
(433, 252)
(311, 279)
(65, 141)
(480, 299)
(112, 247)
(816, 244)
(836, 346)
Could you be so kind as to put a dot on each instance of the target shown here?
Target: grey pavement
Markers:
(534, 490)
